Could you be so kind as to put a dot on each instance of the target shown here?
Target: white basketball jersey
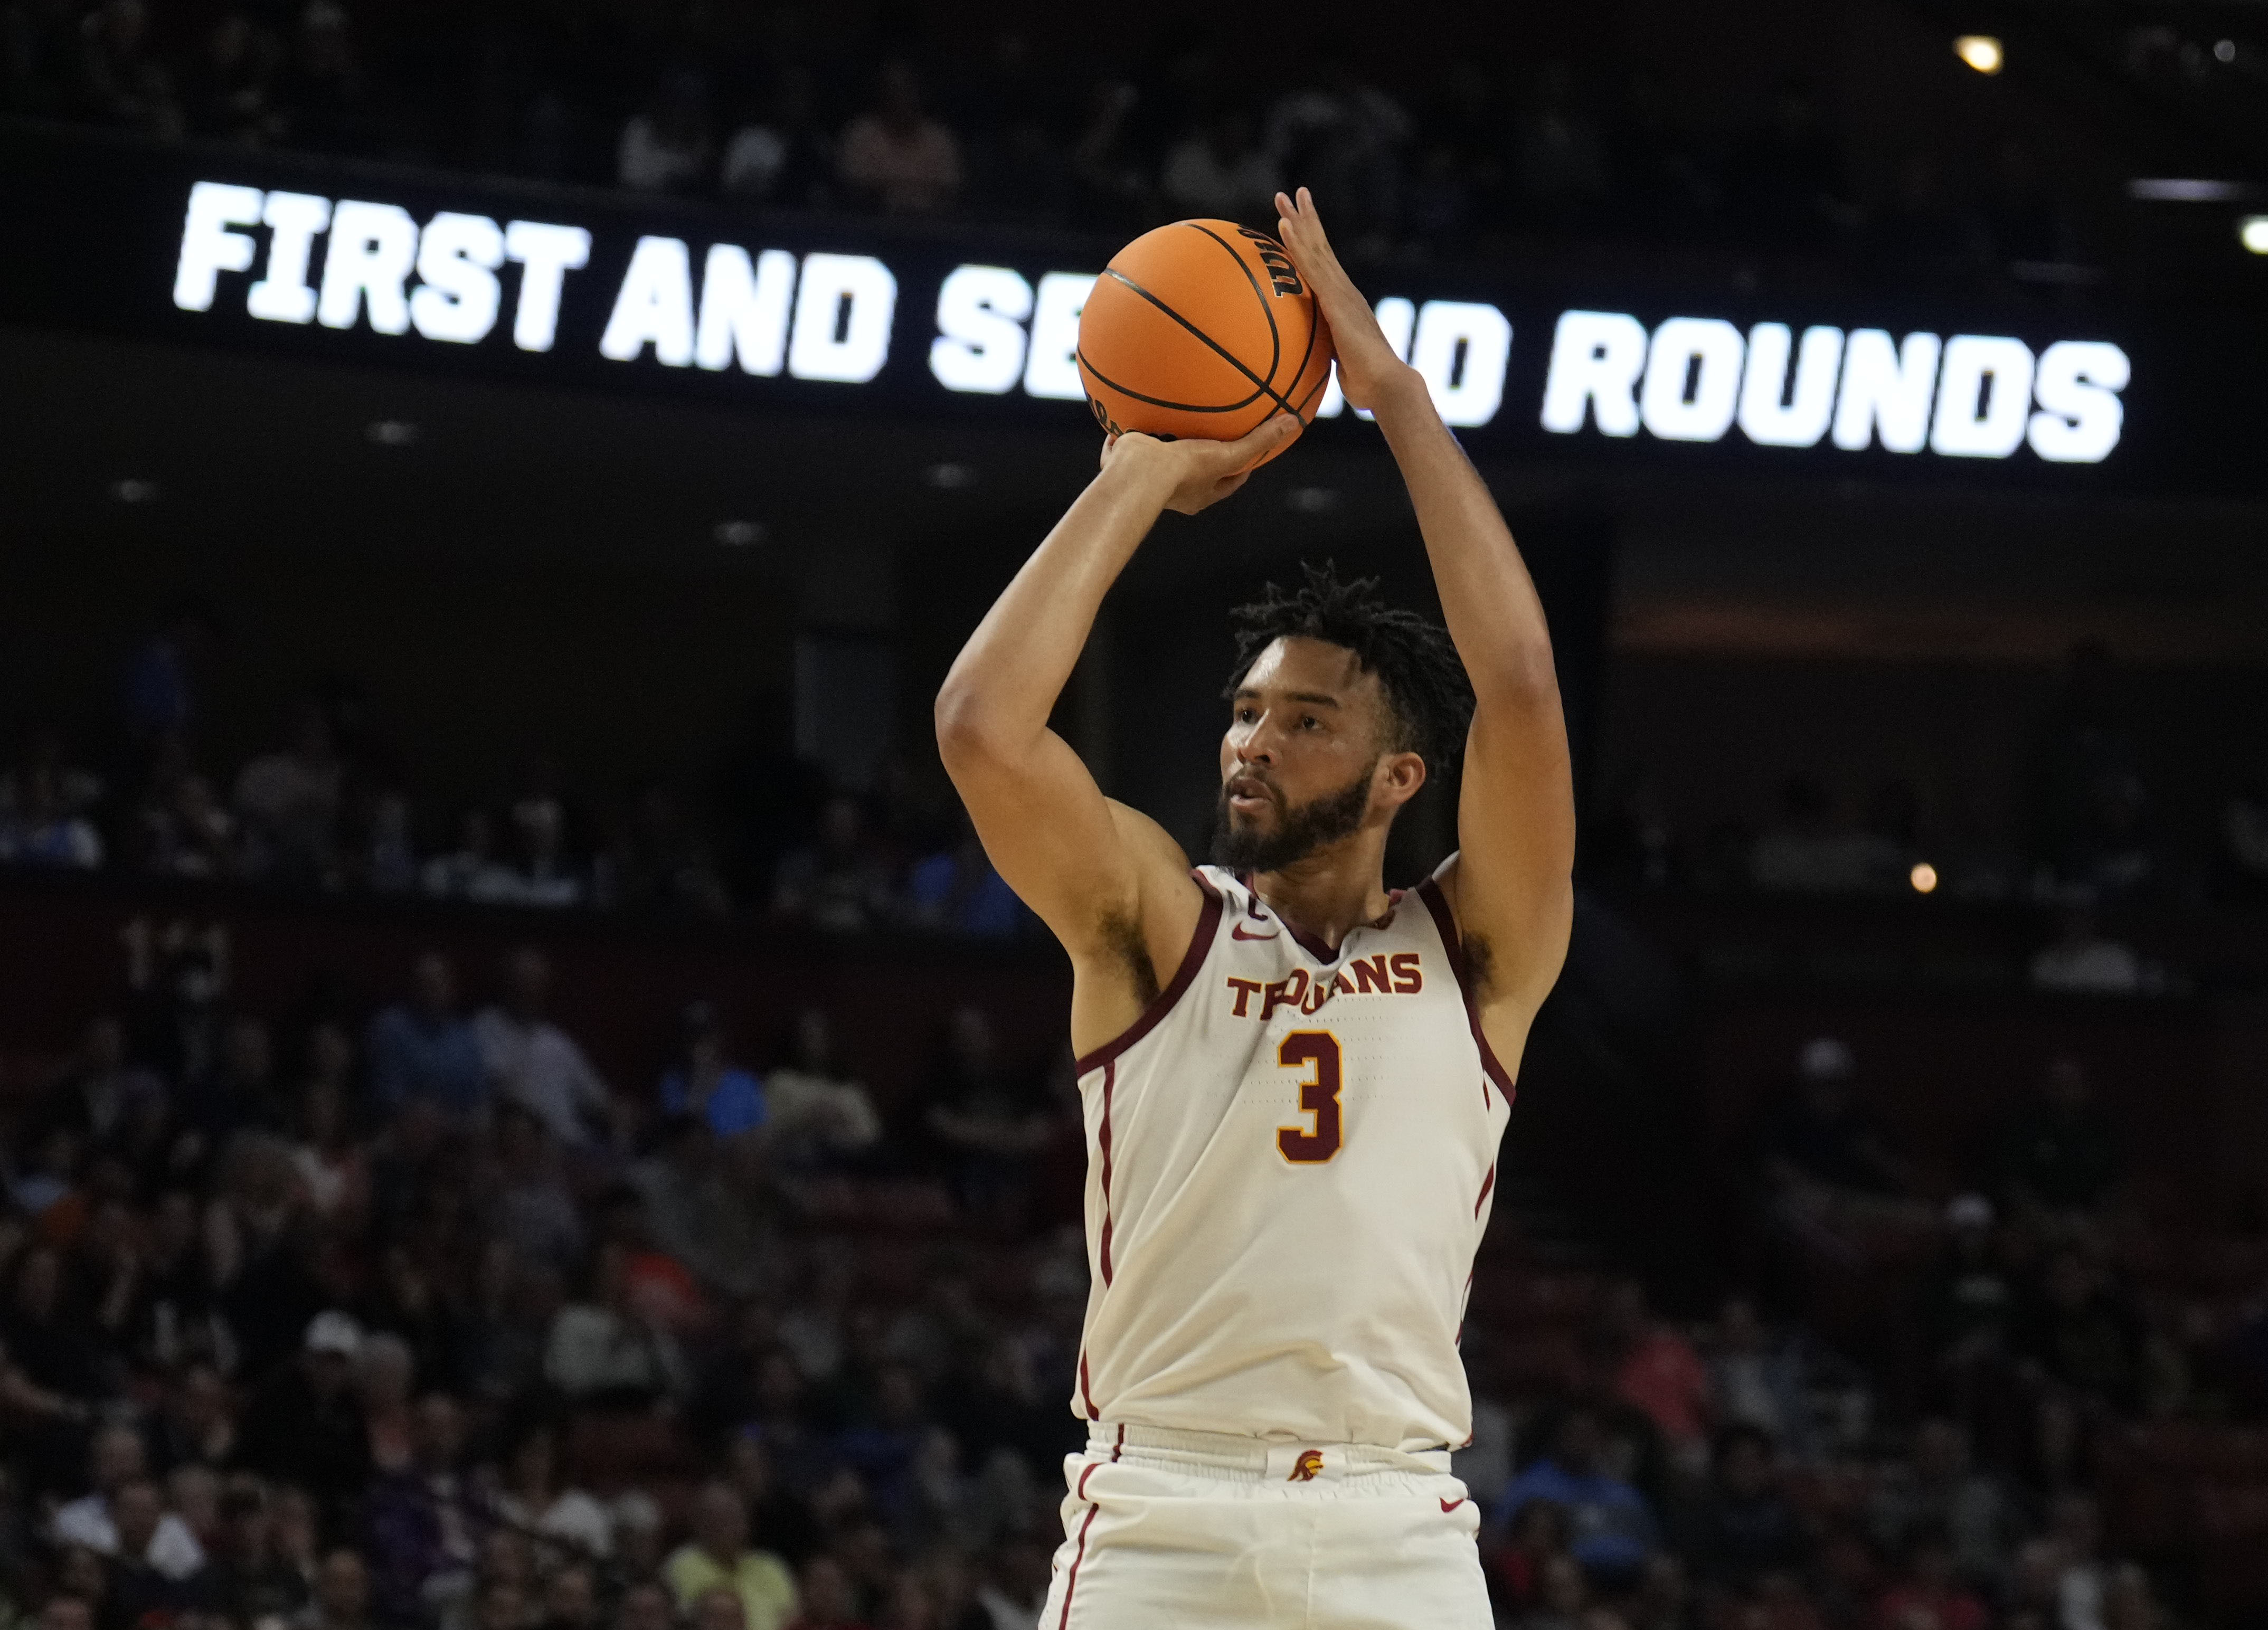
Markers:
(1290, 1157)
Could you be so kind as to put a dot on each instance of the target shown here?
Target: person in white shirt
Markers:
(118, 1462)
(533, 1062)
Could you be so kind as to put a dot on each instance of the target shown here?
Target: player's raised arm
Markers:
(1109, 882)
(1510, 887)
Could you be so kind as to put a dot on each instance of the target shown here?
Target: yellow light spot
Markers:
(2252, 232)
(1981, 52)
(1923, 877)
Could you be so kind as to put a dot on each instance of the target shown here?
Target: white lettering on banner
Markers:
(842, 313)
(1050, 363)
(546, 255)
(2077, 383)
(1692, 379)
(1460, 350)
(980, 329)
(1775, 414)
(458, 294)
(292, 220)
(208, 247)
(1596, 358)
(1396, 317)
(1886, 389)
(1984, 397)
(373, 250)
(744, 310)
(654, 307)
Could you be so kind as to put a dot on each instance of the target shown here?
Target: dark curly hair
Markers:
(1426, 691)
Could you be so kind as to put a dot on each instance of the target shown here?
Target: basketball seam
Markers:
(1265, 388)
(1274, 334)
(1158, 401)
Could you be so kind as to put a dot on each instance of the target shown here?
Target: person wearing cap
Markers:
(304, 1426)
(730, 1100)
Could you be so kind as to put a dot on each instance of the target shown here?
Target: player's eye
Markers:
(1246, 716)
(1309, 721)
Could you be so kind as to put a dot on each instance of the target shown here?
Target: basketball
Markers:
(1202, 329)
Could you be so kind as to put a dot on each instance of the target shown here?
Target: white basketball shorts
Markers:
(1199, 1529)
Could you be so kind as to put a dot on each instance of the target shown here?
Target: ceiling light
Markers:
(391, 432)
(2225, 50)
(2252, 232)
(740, 534)
(132, 489)
(950, 477)
(1311, 500)
(1981, 52)
(1923, 877)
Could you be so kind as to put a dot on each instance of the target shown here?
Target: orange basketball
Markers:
(1202, 329)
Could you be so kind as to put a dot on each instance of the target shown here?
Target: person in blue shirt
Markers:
(1613, 1529)
(956, 891)
(424, 1048)
(729, 1098)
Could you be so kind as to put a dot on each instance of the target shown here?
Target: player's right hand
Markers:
(1194, 474)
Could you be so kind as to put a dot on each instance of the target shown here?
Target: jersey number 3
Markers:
(1319, 1096)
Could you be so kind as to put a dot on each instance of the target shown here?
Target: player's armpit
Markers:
(1511, 886)
(1103, 878)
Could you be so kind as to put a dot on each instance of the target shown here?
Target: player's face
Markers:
(1307, 730)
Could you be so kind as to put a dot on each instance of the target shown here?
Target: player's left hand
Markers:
(1368, 368)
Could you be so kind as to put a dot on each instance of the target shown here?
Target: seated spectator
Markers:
(827, 1600)
(304, 1424)
(658, 862)
(341, 1593)
(606, 1349)
(837, 885)
(1970, 1299)
(669, 147)
(531, 1499)
(1613, 1525)
(1657, 1372)
(2075, 1329)
(703, 1209)
(1537, 1533)
(1220, 169)
(730, 1101)
(424, 1528)
(185, 829)
(253, 1575)
(541, 873)
(786, 157)
(332, 1165)
(957, 891)
(1756, 1379)
(325, 92)
(1821, 1138)
(124, 82)
(818, 1111)
(2059, 1151)
(122, 1513)
(1928, 1594)
(1561, 1596)
(1937, 1494)
(197, 1425)
(1743, 1526)
(534, 1063)
(472, 870)
(44, 804)
(389, 857)
(1806, 852)
(101, 1092)
(144, 1582)
(2084, 961)
(983, 1118)
(895, 157)
(719, 1556)
(531, 1207)
(50, 1341)
(288, 801)
(229, 92)
(424, 1049)
(158, 687)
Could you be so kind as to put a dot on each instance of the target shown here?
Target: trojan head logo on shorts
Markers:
(1307, 1467)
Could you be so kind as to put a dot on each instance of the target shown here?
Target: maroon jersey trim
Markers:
(1445, 922)
(1192, 959)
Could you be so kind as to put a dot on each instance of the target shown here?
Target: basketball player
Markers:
(1294, 1080)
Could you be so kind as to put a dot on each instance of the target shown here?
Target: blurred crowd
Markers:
(410, 1319)
(330, 809)
(805, 107)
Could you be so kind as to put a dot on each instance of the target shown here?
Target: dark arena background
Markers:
(522, 1103)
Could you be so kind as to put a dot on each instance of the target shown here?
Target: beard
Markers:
(1300, 833)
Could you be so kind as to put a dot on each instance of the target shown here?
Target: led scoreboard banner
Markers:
(414, 269)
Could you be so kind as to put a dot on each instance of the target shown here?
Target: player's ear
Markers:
(1400, 776)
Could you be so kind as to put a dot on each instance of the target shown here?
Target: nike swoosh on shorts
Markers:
(1451, 1505)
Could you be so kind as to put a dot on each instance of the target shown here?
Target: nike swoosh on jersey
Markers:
(1451, 1505)
(1236, 931)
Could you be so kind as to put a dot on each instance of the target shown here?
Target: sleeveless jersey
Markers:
(1290, 1157)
